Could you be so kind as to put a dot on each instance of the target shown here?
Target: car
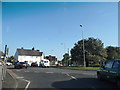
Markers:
(45, 63)
(34, 65)
(20, 65)
(59, 64)
(8, 63)
(110, 71)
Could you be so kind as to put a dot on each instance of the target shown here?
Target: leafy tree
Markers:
(66, 59)
(113, 52)
(94, 51)
(11, 59)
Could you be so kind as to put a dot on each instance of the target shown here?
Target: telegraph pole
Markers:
(83, 48)
(5, 61)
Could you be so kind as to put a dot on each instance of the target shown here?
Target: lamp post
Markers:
(83, 48)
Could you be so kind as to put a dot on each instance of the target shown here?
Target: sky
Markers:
(53, 27)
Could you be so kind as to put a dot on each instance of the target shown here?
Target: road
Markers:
(60, 78)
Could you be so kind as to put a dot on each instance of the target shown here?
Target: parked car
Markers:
(59, 64)
(15, 63)
(20, 65)
(34, 65)
(110, 71)
(45, 63)
(8, 63)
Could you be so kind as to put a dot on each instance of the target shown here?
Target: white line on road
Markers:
(67, 74)
(49, 72)
(18, 70)
(27, 71)
(73, 77)
(19, 77)
(27, 84)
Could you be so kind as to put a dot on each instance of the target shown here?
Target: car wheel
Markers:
(99, 76)
(118, 83)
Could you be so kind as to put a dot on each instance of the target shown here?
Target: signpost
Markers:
(5, 60)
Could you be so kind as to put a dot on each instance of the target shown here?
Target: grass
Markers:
(80, 68)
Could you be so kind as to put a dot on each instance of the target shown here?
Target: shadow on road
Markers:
(90, 83)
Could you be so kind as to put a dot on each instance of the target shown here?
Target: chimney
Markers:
(33, 48)
(38, 50)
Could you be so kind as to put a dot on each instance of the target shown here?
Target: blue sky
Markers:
(46, 25)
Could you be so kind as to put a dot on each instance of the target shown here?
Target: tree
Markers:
(11, 59)
(66, 59)
(113, 52)
(94, 51)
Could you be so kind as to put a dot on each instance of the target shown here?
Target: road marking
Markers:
(73, 77)
(27, 71)
(18, 70)
(49, 72)
(12, 73)
(67, 74)
(19, 77)
(27, 84)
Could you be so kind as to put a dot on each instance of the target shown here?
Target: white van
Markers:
(45, 63)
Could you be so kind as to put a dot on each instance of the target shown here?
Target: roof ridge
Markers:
(29, 52)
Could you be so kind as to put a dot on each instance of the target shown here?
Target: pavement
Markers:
(35, 77)
(0, 77)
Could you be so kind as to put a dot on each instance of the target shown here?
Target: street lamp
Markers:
(83, 48)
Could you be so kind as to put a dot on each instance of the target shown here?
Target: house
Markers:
(29, 55)
(53, 60)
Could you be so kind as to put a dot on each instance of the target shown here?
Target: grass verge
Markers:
(80, 68)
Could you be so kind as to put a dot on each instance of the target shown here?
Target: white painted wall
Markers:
(30, 59)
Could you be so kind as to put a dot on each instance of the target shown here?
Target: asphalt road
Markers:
(60, 78)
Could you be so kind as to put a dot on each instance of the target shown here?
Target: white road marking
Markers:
(49, 72)
(67, 74)
(19, 77)
(27, 84)
(18, 70)
(73, 77)
(27, 71)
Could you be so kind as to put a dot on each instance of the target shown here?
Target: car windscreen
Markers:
(22, 62)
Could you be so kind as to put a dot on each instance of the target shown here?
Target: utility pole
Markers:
(68, 58)
(83, 48)
(5, 61)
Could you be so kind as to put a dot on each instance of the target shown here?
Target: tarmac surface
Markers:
(36, 77)
(0, 77)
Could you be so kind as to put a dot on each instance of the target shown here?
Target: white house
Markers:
(29, 55)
